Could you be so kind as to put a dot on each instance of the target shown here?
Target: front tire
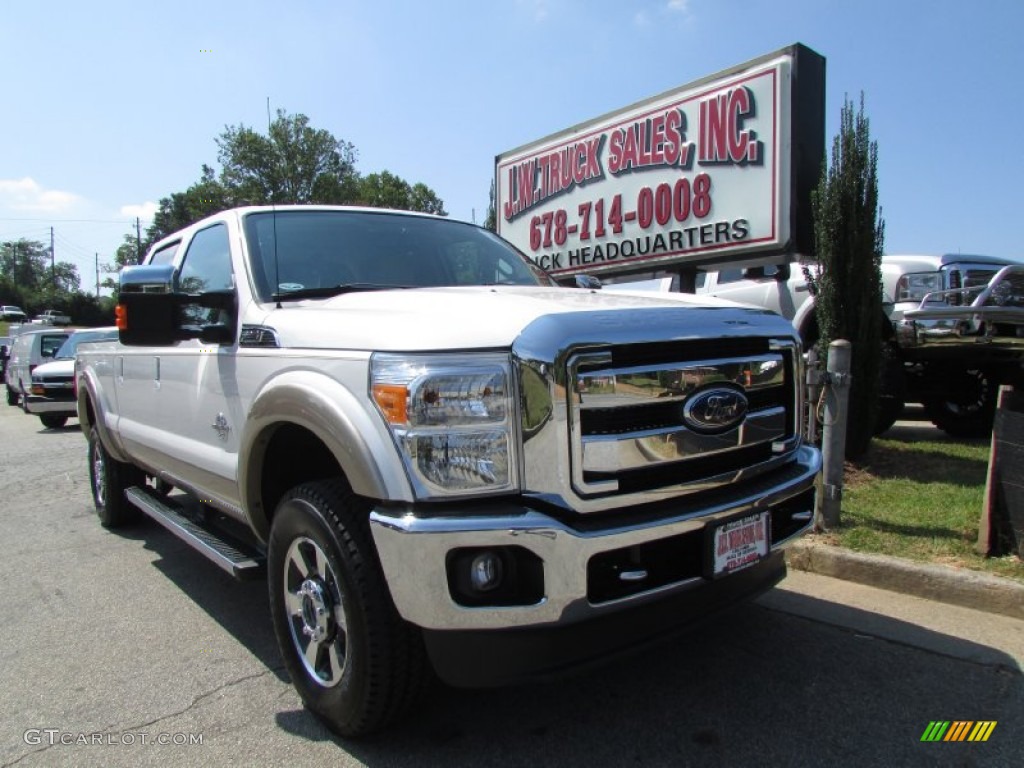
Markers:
(53, 420)
(12, 397)
(109, 479)
(353, 660)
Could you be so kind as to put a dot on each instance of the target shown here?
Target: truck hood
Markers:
(475, 317)
(63, 367)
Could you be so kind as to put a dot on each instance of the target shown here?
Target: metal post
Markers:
(833, 440)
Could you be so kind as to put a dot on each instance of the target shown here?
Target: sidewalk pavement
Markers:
(959, 586)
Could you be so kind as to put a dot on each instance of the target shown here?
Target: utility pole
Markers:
(53, 266)
(138, 241)
(97, 275)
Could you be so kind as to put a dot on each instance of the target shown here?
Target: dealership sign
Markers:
(716, 171)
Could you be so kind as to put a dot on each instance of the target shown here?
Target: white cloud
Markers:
(640, 19)
(28, 195)
(144, 211)
(682, 6)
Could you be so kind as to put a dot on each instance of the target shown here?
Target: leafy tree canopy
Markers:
(292, 163)
(28, 280)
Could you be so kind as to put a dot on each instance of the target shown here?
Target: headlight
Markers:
(915, 286)
(452, 419)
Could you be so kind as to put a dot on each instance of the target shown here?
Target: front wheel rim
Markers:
(315, 612)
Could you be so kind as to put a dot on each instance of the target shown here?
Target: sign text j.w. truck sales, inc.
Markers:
(711, 172)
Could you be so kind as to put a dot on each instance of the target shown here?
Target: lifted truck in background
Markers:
(957, 327)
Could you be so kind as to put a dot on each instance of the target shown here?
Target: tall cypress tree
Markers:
(849, 235)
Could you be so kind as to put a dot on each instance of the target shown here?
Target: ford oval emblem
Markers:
(715, 410)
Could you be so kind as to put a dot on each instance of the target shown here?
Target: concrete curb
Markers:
(981, 591)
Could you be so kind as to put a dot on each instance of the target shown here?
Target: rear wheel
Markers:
(966, 406)
(109, 479)
(53, 420)
(893, 389)
(356, 664)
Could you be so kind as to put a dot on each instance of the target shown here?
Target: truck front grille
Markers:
(623, 410)
(631, 422)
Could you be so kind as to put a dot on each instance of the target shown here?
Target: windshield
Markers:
(67, 349)
(321, 253)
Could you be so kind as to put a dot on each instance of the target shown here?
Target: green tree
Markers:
(25, 263)
(424, 199)
(849, 237)
(491, 221)
(294, 164)
(386, 190)
(204, 198)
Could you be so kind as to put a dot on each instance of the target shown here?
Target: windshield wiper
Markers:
(325, 292)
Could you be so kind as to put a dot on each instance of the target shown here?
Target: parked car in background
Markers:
(957, 327)
(52, 317)
(51, 395)
(12, 313)
(31, 348)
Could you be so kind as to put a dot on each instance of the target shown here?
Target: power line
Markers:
(80, 221)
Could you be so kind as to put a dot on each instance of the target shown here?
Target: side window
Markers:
(165, 255)
(207, 267)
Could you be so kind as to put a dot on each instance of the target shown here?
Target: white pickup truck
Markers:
(52, 317)
(440, 459)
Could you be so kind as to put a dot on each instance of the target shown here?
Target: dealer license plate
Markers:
(740, 543)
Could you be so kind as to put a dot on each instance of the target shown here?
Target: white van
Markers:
(30, 348)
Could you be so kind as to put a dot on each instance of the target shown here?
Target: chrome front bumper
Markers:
(41, 404)
(414, 549)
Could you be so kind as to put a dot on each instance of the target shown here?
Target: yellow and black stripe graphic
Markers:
(958, 730)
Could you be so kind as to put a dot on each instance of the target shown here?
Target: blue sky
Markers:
(111, 105)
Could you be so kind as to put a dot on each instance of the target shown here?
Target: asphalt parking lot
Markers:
(114, 642)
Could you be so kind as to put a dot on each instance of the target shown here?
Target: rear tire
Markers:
(109, 479)
(354, 661)
(893, 389)
(12, 397)
(967, 407)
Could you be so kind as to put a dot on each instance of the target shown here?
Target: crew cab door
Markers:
(199, 379)
(181, 411)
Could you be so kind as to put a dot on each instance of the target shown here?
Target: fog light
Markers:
(485, 572)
